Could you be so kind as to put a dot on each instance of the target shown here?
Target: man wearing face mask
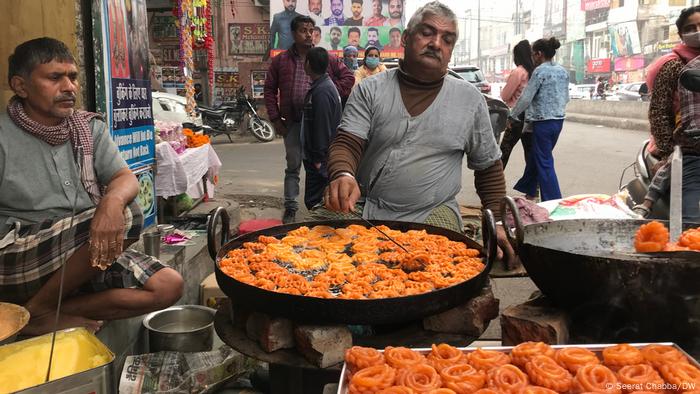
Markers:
(372, 65)
(286, 86)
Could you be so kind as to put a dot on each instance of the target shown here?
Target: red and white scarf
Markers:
(75, 128)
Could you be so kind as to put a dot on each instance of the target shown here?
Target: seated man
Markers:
(67, 197)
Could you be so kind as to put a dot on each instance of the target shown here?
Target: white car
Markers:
(171, 108)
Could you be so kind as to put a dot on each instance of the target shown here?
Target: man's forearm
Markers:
(344, 154)
(123, 188)
(490, 185)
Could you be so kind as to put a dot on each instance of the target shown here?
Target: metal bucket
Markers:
(182, 328)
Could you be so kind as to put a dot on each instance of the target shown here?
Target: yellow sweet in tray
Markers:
(23, 364)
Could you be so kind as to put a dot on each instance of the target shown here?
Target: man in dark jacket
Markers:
(322, 112)
(286, 86)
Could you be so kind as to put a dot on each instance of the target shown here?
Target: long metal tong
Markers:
(358, 215)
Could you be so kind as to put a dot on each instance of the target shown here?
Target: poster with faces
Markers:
(340, 23)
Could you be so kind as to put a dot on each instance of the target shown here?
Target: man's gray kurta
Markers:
(411, 165)
(39, 181)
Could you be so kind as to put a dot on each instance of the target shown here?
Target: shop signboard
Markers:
(162, 26)
(124, 90)
(629, 63)
(624, 39)
(598, 66)
(225, 85)
(338, 27)
(257, 83)
(248, 38)
(590, 5)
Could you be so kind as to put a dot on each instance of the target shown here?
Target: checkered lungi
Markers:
(441, 216)
(29, 255)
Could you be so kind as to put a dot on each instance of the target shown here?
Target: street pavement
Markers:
(589, 159)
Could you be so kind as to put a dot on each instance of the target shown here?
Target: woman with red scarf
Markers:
(662, 80)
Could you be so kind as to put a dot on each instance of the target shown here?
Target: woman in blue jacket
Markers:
(544, 102)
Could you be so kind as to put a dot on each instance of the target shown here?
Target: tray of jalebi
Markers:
(529, 368)
(345, 272)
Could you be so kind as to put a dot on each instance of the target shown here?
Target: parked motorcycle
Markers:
(228, 118)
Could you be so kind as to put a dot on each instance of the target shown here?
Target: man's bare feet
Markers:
(45, 323)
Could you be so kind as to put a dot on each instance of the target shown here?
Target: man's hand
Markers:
(505, 250)
(342, 194)
(107, 232)
(280, 128)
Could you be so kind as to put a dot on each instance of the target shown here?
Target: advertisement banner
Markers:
(257, 83)
(590, 5)
(248, 38)
(225, 85)
(629, 63)
(340, 23)
(624, 39)
(598, 66)
(124, 91)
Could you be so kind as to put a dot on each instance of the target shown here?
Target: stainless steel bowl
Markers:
(182, 328)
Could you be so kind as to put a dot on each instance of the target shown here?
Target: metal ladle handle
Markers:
(515, 238)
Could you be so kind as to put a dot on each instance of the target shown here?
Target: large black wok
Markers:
(592, 265)
(375, 311)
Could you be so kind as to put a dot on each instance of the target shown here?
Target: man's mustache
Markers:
(65, 97)
(432, 53)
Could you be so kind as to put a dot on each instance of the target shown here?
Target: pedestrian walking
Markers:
(322, 112)
(286, 86)
(544, 102)
(516, 83)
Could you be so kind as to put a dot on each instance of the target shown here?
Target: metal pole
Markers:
(478, 34)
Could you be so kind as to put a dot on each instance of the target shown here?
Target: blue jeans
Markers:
(691, 188)
(292, 147)
(539, 166)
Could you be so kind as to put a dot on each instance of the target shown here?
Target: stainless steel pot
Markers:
(182, 328)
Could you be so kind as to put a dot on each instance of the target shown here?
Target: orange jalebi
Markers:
(573, 358)
(358, 357)
(544, 371)
(486, 390)
(372, 379)
(659, 355)
(507, 379)
(690, 239)
(522, 353)
(595, 378)
(485, 360)
(402, 357)
(419, 377)
(398, 390)
(536, 390)
(640, 376)
(444, 355)
(616, 357)
(651, 237)
(441, 391)
(462, 378)
(684, 376)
